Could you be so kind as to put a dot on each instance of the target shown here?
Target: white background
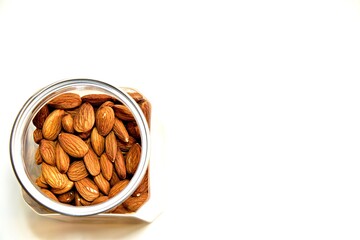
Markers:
(260, 101)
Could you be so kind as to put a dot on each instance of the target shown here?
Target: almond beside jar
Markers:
(81, 147)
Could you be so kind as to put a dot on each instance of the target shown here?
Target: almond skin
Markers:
(106, 166)
(134, 203)
(40, 184)
(66, 101)
(118, 187)
(77, 171)
(87, 189)
(49, 194)
(53, 177)
(133, 158)
(102, 183)
(100, 200)
(105, 119)
(73, 145)
(126, 146)
(66, 197)
(92, 163)
(69, 185)
(120, 165)
(47, 151)
(114, 178)
(120, 130)
(123, 113)
(97, 142)
(40, 117)
(85, 118)
(136, 96)
(96, 99)
(111, 146)
(67, 123)
(62, 159)
(52, 124)
(37, 135)
(133, 129)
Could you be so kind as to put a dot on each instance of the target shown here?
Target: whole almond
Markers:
(38, 157)
(123, 113)
(107, 104)
(37, 135)
(100, 200)
(120, 165)
(118, 187)
(67, 197)
(73, 145)
(62, 159)
(96, 99)
(133, 129)
(85, 118)
(66, 101)
(97, 142)
(102, 183)
(47, 151)
(106, 166)
(126, 146)
(40, 117)
(111, 146)
(143, 187)
(84, 202)
(53, 177)
(133, 158)
(136, 96)
(85, 135)
(105, 119)
(120, 130)
(77, 171)
(120, 210)
(114, 178)
(77, 199)
(52, 124)
(146, 109)
(69, 185)
(87, 189)
(67, 123)
(39, 183)
(49, 194)
(134, 203)
(92, 163)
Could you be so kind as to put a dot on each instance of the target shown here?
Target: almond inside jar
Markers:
(89, 148)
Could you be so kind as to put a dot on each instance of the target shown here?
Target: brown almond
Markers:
(118, 187)
(133, 158)
(77, 199)
(120, 210)
(40, 184)
(40, 117)
(133, 129)
(37, 135)
(67, 197)
(85, 118)
(143, 187)
(53, 177)
(111, 146)
(52, 124)
(67, 123)
(87, 189)
(120, 165)
(105, 119)
(49, 194)
(84, 202)
(123, 113)
(73, 145)
(114, 178)
(97, 142)
(69, 185)
(62, 159)
(38, 157)
(100, 200)
(85, 135)
(107, 104)
(146, 109)
(126, 146)
(66, 101)
(120, 130)
(106, 166)
(92, 163)
(134, 203)
(96, 99)
(136, 96)
(77, 171)
(102, 183)
(47, 151)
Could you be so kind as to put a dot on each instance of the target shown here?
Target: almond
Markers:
(52, 124)
(67, 197)
(37, 135)
(67, 123)
(84, 202)
(120, 210)
(96, 99)
(126, 146)
(133, 129)
(136, 96)
(66, 101)
(106, 166)
(47, 151)
(133, 158)
(77, 199)
(85, 118)
(97, 142)
(92, 163)
(123, 113)
(49, 194)
(120, 130)
(114, 178)
(87, 189)
(120, 165)
(85, 135)
(73, 145)
(102, 183)
(143, 187)
(40, 117)
(40, 184)
(118, 187)
(146, 109)
(105, 119)
(107, 104)
(111, 146)
(100, 200)
(69, 185)
(38, 157)
(77, 171)
(53, 177)
(134, 203)
(62, 159)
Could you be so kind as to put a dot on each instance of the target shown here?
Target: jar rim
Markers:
(24, 118)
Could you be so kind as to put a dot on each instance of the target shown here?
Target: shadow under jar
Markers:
(81, 148)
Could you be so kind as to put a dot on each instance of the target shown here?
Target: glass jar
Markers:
(23, 149)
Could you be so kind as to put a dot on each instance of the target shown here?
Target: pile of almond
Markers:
(89, 147)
